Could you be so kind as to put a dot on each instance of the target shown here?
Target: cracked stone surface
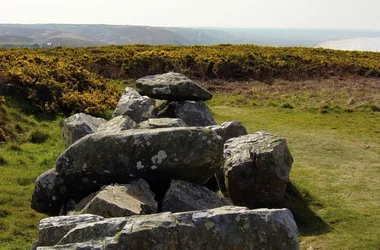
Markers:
(256, 169)
(220, 228)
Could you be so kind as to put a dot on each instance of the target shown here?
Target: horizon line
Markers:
(196, 27)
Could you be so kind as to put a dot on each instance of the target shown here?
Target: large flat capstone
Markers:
(155, 155)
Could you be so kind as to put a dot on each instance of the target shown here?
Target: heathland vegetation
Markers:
(326, 103)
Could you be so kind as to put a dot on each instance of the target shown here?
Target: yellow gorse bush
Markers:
(79, 79)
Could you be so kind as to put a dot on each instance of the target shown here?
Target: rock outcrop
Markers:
(257, 169)
(119, 201)
(115, 176)
(221, 228)
(172, 86)
(137, 107)
(78, 126)
(184, 196)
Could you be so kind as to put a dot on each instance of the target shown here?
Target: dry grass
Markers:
(339, 94)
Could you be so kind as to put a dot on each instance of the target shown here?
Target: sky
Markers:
(330, 14)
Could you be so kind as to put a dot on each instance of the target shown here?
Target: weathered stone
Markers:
(91, 245)
(119, 201)
(162, 123)
(219, 228)
(257, 169)
(94, 231)
(172, 86)
(145, 232)
(79, 125)
(138, 108)
(184, 196)
(117, 124)
(229, 130)
(233, 129)
(49, 192)
(53, 229)
(156, 155)
(194, 113)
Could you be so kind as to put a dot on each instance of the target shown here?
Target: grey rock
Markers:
(238, 228)
(162, 123)
(117, 124)
(53, 229)
(219, 228)
(172, 86)
(229, 130)
(184, 196)
(119, 200)
(257, 169)
(156, 231)
(94, 231)
(156, 155)
(79, 125)
(49, 192)
(92, 245)
(137, 107)
(233, 129)
(194, 113)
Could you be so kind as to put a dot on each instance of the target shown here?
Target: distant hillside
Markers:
(78, 35)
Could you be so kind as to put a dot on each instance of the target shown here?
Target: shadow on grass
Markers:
(298, 201)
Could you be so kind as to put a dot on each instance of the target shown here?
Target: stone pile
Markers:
(138, 180)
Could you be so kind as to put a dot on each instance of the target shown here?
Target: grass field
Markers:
(333, 133)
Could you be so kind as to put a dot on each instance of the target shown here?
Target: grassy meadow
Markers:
(329, 113)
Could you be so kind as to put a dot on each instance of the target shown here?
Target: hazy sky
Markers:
(351, 14)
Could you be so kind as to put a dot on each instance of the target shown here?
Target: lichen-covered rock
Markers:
(172, 86)
(156, 155)
(49, 192)
(79, 125)
(138, 108)
(257, 169)
(53, 229)
(162, 123)
(117, 124)
(184, 196)
(194, 113)
(119, 201)
(224, 228)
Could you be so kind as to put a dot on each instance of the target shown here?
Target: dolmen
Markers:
(161, 174)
